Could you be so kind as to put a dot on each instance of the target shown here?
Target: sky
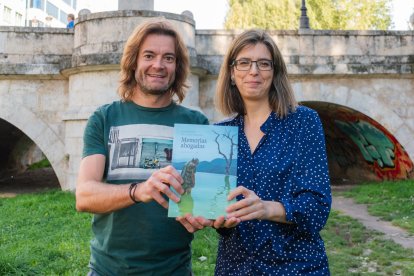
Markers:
(210, 14)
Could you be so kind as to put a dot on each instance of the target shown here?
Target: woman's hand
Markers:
(252, 207)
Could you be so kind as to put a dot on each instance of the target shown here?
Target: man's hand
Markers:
(159, 183)
(221, 222)
(193, 224)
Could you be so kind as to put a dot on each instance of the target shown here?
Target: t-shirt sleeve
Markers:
(202, 120)
(93, 138)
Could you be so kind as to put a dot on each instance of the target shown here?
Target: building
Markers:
(12, 12)
(36, 13)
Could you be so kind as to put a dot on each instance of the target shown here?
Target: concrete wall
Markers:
(52, 79)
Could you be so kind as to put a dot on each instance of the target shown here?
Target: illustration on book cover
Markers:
(206, 157)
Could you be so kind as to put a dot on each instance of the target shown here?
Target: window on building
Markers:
(74, 4)
(52, 10)
(63, 17)
(68, 2)
(7, 13)
(39, 4)
(18, 19)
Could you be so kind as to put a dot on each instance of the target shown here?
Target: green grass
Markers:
(42, 234)
(44, 163)
(391, 201)
(205, 245)
(353, 248)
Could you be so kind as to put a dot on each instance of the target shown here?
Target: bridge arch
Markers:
(39, 132)
(359, 148)
(357, 100)
(379, 99)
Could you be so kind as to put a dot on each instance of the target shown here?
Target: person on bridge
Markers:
(71, 21)
(283, 188)
(132, 232)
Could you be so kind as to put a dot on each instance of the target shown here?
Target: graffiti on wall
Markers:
(373, 144)
(356, 143)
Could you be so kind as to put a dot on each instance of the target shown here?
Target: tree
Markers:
(229, 138)
(323, 14)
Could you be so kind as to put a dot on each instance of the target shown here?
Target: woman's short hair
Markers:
(228, 99)
(130, 55)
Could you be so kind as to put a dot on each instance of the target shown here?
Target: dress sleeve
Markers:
(93, 137)
(309, 202)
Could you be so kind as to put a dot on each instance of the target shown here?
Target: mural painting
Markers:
(359, 148)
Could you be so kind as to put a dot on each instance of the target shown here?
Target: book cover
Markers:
(206, 157)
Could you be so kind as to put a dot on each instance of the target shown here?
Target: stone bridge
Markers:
(360, 82)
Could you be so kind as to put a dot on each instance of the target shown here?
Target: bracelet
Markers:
(132, 189)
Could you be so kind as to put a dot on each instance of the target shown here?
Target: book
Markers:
(206, 157)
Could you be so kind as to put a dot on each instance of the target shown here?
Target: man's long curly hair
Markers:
(130, 56)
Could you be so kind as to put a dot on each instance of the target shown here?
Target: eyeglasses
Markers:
(246, 64)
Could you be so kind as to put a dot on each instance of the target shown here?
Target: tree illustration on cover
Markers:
(206, 157)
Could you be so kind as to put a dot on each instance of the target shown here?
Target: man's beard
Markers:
(151, 91)
(155, 90)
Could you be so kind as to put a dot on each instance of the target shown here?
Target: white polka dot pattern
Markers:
(289, 165)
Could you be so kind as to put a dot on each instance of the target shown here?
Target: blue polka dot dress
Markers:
(289, 165)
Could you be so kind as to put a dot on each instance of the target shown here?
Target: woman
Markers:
(283, 191)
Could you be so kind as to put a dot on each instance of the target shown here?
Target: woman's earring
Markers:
(233, 82)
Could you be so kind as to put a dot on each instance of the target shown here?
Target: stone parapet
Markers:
(34, 51)
(314, 52)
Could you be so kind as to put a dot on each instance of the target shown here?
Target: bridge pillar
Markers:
(136, 5)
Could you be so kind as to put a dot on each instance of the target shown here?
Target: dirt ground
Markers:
(28, 182)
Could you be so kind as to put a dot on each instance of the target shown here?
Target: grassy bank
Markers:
(391, 201)
(42, 234)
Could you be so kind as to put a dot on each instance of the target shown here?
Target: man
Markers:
(132, 233)
(71, 21)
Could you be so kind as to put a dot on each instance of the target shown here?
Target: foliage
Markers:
(390, 200)
(323, 14)
(44, 163)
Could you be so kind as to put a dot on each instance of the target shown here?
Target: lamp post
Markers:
(35, 22)
(304, 19)
(48, 21)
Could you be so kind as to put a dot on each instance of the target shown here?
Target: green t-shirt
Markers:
(140, 239)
